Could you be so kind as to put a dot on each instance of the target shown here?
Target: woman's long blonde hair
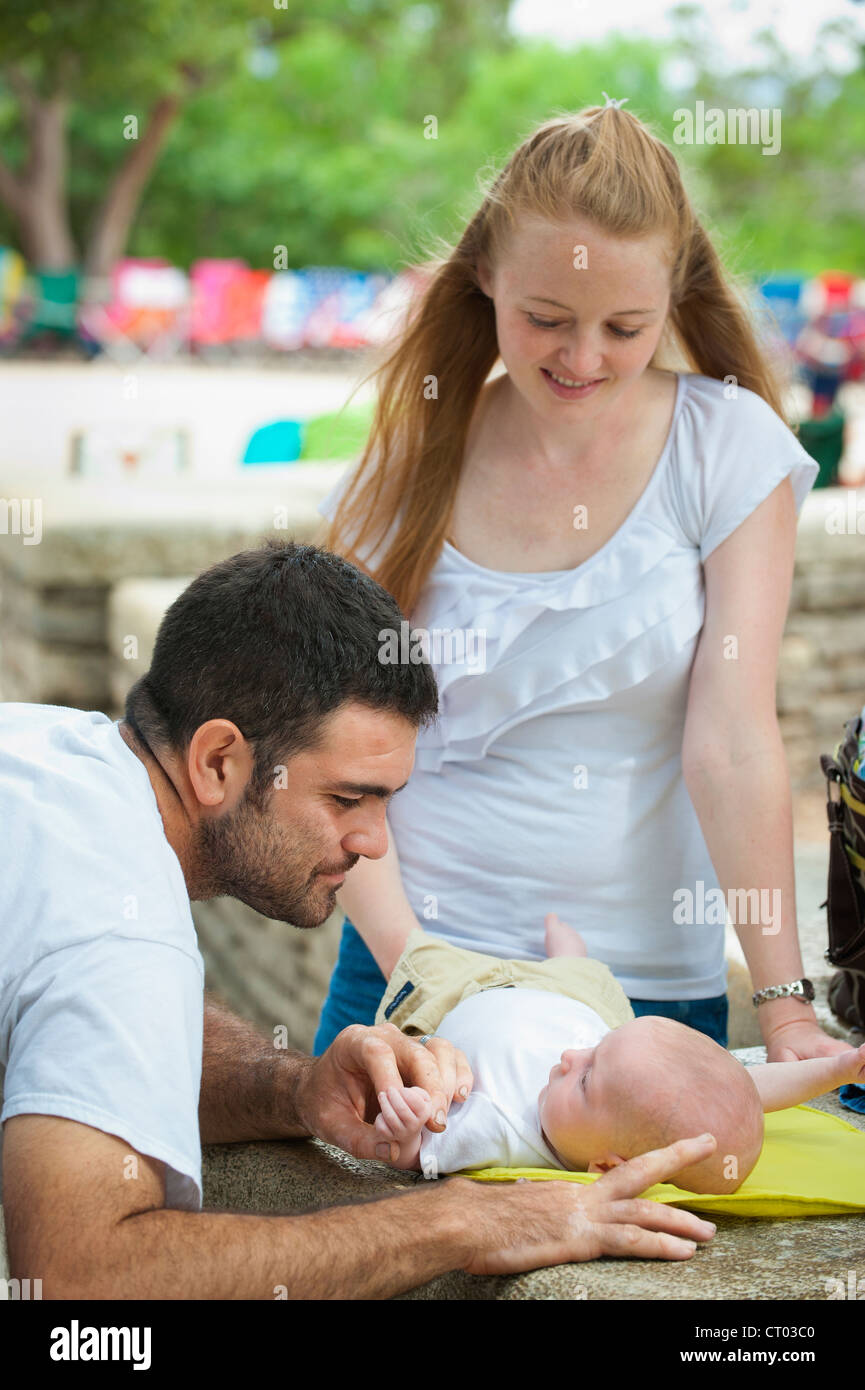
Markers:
(603, 164)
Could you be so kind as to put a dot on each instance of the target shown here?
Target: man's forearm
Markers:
(367, 1250)
(248, 1086)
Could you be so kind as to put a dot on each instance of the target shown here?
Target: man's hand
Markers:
(569, 1221)
(337, 1095)
(797, 1040)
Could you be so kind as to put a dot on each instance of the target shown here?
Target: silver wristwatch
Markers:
(799, 989)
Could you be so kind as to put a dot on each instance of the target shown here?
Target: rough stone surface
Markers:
(54, 638)
(272, 974)
(134, 611)
(52, 674)
(99, 534)
(747, 1259)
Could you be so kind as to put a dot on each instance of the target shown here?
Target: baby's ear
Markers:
(603, 1165)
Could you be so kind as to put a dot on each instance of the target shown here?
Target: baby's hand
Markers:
(404, 1112)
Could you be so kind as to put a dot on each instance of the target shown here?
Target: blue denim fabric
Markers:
(357, 985)
(853, 1097)
(706, 1015)
(356, 988)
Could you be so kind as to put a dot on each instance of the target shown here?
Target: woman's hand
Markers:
(798, 1039)
(337, 1097)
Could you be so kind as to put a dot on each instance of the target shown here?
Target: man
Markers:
(256, 759)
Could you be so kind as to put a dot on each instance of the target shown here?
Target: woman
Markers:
(617, 539)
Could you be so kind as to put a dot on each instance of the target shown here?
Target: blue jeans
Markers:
(357, 985)
(356, 988)
(706, 1015)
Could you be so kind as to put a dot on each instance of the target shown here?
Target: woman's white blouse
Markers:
(552, 781)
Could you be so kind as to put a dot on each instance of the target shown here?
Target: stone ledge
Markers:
(99, 534)
(747, 1259)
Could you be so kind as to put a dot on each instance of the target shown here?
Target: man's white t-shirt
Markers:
(512, 1038)
(101, 979)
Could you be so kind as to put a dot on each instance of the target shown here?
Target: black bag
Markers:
(845, 902)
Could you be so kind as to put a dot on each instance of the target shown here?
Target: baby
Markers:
(620, 1087)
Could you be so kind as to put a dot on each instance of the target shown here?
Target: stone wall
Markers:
(80, 613)
(271, 973)
(54, 594)
(59, 643)
(821, 672)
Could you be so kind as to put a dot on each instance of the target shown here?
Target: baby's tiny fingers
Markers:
(420, 1103)
(393, 1119)
(382, 1128)
(402, 1104)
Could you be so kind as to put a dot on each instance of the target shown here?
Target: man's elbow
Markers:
(67, 1269)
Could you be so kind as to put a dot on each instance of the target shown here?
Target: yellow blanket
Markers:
(812, 1164)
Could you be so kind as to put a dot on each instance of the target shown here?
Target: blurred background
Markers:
(210, 218)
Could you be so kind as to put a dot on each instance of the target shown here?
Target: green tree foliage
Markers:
(306, 127)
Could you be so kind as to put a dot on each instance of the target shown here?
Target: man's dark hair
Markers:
(275, 639)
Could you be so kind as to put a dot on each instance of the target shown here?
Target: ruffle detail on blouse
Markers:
(569, 640)
(605, 576)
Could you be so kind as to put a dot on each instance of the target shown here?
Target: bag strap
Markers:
(846, 931)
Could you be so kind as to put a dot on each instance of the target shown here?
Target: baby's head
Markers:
(645, 1085)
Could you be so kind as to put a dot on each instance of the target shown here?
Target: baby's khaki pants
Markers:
(431, 977)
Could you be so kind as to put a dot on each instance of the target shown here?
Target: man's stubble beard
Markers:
(244, 856)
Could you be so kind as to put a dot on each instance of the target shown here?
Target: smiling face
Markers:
(596, 326)
(287, 858)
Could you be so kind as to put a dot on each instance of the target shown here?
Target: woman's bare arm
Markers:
(375, 902)
(735, 766)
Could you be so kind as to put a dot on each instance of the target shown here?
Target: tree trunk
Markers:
(114, 220)
(37, 195)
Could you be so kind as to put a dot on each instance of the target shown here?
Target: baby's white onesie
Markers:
(512, 1038)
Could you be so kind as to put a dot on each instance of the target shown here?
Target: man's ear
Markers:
(603, 1165)
(219, 764)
